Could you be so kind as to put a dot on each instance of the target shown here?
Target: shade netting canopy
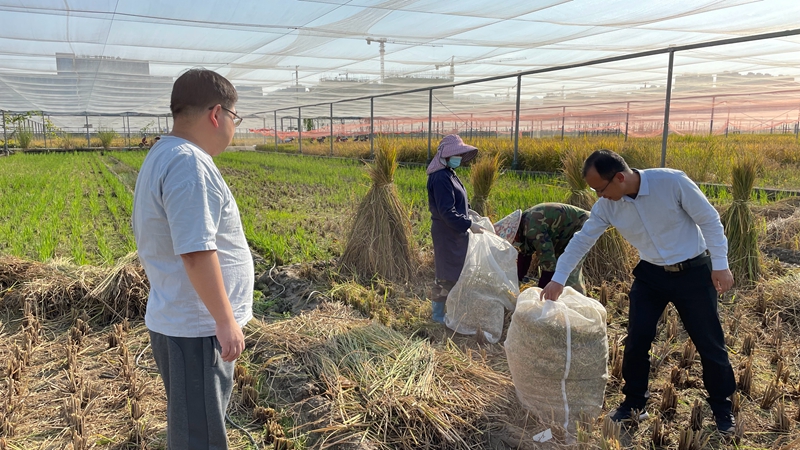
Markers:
(95, 57)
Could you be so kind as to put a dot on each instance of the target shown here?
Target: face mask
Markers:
(454, 162)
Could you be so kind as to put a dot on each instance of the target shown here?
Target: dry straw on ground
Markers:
(56, 289)
(740, 227)
(380, 242)
(483, 175)
(610, 258)
(386, 388)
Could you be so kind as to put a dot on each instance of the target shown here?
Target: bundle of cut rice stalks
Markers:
(58, 287)
(387, 389)
(54, 289)
(380, 242)
(123, 291)
(611, 257)
(483, 175)
(744, 257)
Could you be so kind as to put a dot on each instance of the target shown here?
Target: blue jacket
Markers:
(447, 201)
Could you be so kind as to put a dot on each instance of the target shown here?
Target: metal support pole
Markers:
(264, 119)
(797, 127)
(88, 144)
(666, 110)
(371, 127)
(158, 118)
(627, 118)
(300, 128)
(129, 129)
(713, 104)
(516, 124)
(430, 122)
(5, 136)
(276, 130)
(563, 119)
(44, 130)
(728, 122)
(331, 129)
(166, 123)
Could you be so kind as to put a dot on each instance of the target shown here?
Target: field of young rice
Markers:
(293, 208)
(330, 359)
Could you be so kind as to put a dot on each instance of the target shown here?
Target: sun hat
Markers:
(508, 226)
(451, 145)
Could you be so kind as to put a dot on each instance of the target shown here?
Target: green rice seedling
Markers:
(106, 138)
(24, 139)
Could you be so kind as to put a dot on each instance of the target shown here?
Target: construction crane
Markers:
(452, 63)
(384, 41)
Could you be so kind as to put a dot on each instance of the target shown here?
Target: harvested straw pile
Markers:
(784, 296)
(123, 290)
(783, 232)
(57, 288)
(385, 388)
(611, 257)
(483, 175)
(740, 228)
(380, 242)
(13, 270)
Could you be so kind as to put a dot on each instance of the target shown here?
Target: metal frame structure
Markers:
(671, 50)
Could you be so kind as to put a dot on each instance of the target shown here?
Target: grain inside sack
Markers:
(558, 354)
(486, 288)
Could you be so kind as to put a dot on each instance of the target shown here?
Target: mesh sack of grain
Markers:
(486, 287)
(558, 356)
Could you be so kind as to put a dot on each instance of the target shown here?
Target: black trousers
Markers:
(695, 299)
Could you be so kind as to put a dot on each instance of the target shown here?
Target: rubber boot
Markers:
(438, 311)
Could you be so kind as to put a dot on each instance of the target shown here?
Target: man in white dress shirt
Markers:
(683, 259)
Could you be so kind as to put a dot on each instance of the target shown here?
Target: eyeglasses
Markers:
(600, 191)
(236, 119)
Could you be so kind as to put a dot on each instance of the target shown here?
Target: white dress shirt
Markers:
(668, 222)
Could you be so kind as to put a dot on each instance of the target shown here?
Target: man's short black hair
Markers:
(199, 89)
(606, 163)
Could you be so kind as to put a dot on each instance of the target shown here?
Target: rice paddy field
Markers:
(334, 361)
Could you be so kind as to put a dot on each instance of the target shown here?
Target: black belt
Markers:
(699, 260)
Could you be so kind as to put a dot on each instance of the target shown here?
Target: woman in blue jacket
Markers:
(447, 201)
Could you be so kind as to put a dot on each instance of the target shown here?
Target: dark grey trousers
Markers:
(198, 384)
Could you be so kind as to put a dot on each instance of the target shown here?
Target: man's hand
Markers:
(475, 228)
(552, 291)
(231, 339)
(722, 279)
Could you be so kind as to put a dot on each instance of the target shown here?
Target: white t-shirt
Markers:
(181, 205)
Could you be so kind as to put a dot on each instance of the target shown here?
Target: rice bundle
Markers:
(557, 355)
(54, 289)
(744, 257)
(380, 242)
(57, 288)
(482, 176)
(385, 389)
(123, 291)
(610, 258)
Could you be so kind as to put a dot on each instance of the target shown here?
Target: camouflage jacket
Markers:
(547, 228)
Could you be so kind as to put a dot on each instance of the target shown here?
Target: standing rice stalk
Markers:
(610, 258)
(380, 242)
(740, 228)
(483, 175)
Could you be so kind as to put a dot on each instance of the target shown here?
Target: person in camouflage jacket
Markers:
(545, 229)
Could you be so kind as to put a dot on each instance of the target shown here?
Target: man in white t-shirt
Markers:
(192, 246)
